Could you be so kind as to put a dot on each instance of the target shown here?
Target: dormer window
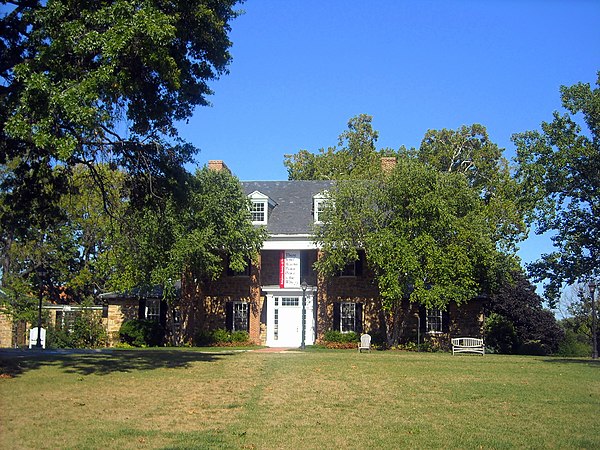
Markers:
(319, 206)
(259, 208)
(258, 211)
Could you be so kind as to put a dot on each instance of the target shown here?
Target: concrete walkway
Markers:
(274, 350)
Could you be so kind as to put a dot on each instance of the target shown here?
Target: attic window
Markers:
(259, 208)
(258, 211)
(318, 206)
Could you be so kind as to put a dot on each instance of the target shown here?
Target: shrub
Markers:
(86, 331)
(338, 336)
(500, 334)
(240, 337)
(574, 344)
(536, 348)
(337, 339)
(222, 337)
(203, 338)
(59, 337)
(141, 333)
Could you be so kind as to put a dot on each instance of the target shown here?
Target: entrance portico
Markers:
(284, 316)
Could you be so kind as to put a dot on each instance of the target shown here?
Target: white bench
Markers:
(467, 345)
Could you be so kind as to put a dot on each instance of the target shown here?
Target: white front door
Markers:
(284, 320)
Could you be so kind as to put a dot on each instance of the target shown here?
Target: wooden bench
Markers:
(467, 345)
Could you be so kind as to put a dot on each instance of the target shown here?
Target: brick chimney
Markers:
(387, 164)
(217, 165)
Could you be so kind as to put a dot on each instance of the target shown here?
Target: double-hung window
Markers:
(153, 309)
(434, 320)
(258, 212)
(347, 317)
(319, 206)
(259, 208)
(237, 316)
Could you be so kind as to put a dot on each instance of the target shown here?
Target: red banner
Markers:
(282, 269)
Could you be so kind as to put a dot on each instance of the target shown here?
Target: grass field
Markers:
(314, 399)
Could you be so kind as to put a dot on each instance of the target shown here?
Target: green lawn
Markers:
(313, 399)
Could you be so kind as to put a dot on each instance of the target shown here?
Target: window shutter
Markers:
(446, 321)
(303, 265)
(163, 313)
(423, 317)
(358, 265)
(336, 317)
(248, 317)
(142, 309)
(358, 318)
(229, 316)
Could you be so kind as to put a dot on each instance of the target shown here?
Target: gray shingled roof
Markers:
(293, 211)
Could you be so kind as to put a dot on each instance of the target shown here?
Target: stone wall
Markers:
(6, 331)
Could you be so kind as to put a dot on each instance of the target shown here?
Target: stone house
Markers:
(267, 299)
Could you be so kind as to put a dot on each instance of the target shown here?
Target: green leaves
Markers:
(425, 234)
(559, 168)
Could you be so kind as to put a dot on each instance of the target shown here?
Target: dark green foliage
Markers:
(141, 333)
(338, 336)
(517, 302)
(533, 348)
(86, 331)
(240, 336)
(500, 334)
(574, 344)
(560, 171)
(221, 337)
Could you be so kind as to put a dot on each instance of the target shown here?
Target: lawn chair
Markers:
(365, 343)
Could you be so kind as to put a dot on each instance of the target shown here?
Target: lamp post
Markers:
(592, 286)
(41, 273)
(304, 287)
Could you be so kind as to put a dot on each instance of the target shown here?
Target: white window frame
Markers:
(258, 199)
(259, 212)
(434, 321)
(348, 312)
(152, 309)
(319, 201)
(240, 312)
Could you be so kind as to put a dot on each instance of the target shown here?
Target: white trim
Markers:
(258, 198)
(289, 316)
(289, 242)
(319, 200)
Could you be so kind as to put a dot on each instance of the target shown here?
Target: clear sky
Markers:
(302, 68)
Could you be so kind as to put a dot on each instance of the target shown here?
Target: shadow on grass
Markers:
(588, 362)
(15, 363)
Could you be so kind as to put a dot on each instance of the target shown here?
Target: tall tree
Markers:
(87, 82)
(355, 156)
(470, 152)
(535, 328)
(91, 83)
(424, 233)
(560, 168)
(201, 227)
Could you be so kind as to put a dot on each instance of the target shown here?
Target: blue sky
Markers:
(302, 68)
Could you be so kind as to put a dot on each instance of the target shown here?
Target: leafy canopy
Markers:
(560, 168)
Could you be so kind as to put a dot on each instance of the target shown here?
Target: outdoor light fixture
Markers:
(592, 287)
(304, 286)
(41, 273)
